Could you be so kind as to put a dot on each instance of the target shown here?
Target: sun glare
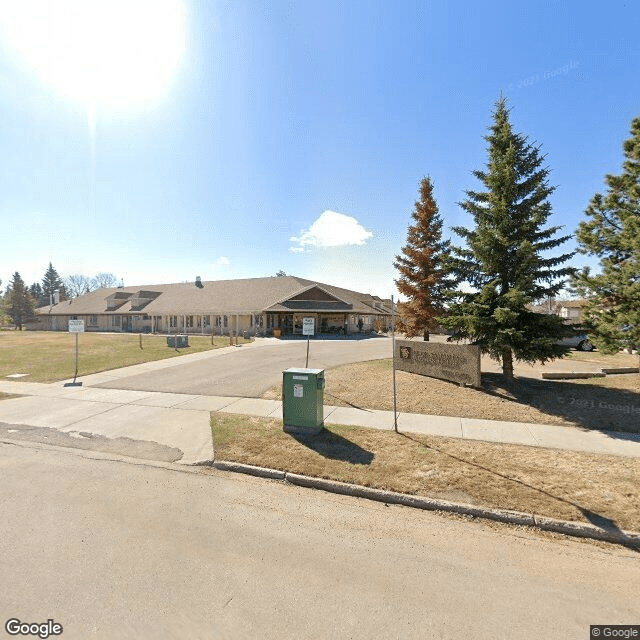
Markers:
(109, 52)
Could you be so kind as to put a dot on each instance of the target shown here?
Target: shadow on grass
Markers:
(331, 445)
(355, 406)
(615, 412)
(594, 518)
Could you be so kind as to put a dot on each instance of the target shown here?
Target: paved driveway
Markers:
(134, 416)
(248, 371)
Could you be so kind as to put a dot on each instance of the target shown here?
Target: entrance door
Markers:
(286, 323)
(126, 323)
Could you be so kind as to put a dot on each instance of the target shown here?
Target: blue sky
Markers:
(269, 119)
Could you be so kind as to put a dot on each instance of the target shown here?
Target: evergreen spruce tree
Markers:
(422, 277)
(18, 303)
(37, 294)
(612, 233)
(506, 260)
(52, 282)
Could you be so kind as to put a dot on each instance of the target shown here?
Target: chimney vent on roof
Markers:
(199, 282)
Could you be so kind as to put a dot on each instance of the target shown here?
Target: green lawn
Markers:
(49, 356)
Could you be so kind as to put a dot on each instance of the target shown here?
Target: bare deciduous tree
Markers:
(78, 284)
(105, 281)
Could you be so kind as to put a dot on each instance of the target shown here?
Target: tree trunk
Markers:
(425, 335)
(507, 364)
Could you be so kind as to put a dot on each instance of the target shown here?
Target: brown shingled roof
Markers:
(250, 295)
(572, 304)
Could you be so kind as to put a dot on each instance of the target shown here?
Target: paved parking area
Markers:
(246, 371)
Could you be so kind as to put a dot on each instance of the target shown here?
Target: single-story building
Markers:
(251, 306)
(571, 310)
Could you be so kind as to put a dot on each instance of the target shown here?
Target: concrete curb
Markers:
(418, 502)
(569, 376)
(565, 375)
(576, 529)
(628, 538)
(583, 530)
(261, 472)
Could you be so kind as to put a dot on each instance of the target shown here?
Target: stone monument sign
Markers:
(454, 362)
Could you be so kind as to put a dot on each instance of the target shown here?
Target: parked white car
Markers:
(580, 341)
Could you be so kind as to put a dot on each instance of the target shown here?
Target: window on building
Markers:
(93, 321)
(226, 321)
(173, 322)
(189, 321)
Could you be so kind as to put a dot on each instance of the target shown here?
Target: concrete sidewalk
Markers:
(182, 421)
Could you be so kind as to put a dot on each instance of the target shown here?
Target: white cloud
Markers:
(222, 261)
(331, 229)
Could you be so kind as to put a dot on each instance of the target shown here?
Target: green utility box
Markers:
(303, 401)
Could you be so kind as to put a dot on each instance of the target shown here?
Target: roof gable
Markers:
(313, 293)
(312, 298)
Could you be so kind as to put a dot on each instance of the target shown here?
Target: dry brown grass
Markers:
(620, 359)
(611, 403)
(600, 489)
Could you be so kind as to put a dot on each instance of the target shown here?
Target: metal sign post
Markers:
(75, 326)
(393, 347)
(308, 329)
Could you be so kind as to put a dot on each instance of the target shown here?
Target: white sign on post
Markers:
(308, 326)
(76, 326)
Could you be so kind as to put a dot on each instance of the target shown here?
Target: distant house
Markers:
(251, 306)
(571, 310)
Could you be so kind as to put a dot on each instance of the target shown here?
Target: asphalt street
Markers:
(115, 550)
